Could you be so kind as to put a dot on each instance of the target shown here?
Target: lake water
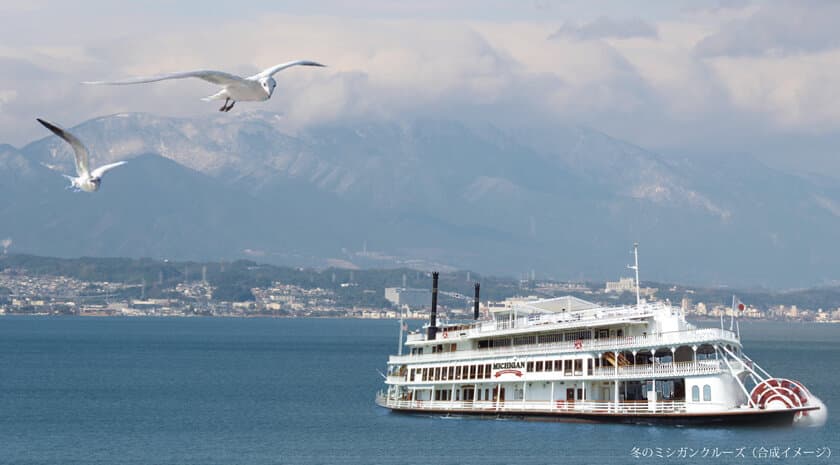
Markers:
(258, 391)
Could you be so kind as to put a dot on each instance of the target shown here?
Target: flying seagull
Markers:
(85, 180)
(256, 88)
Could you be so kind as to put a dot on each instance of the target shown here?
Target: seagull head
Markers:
(268, 84)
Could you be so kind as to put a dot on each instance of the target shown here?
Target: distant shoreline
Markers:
(333, 317)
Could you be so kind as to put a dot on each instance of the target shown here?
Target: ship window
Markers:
(553, 337)
(411, 375)
(487, 371)
(589, 366)
(578, 367)
(548, 365)
(437, 373)
(529, 367)
(479, 394)
(457, 372)
(472, 371)
(524, 340)
(503, 342)
(707, 393)
(620, 333)
(576, 335)
(567, 367)
(558, 365)
(451, 372)
(487, 394)
(695, 393)
(539, 366)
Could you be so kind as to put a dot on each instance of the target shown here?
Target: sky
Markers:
(679, 77)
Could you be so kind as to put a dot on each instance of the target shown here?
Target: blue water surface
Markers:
(301, 391)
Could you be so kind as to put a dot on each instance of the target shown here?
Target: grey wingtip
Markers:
(49, 126)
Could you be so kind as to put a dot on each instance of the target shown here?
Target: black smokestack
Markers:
(433, 322)
(475, 303)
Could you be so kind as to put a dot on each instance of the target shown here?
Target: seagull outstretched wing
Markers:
(274, 69)
(98, 172)
(215, 77)
(81, 153)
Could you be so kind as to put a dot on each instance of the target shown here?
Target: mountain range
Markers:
(566, 203)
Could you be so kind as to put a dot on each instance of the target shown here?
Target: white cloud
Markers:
(606, 28)
(777, 28)
(641, 80)
(7, 96)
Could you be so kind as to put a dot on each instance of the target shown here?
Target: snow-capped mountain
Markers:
(567, 203)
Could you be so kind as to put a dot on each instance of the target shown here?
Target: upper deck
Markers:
(689, 337)
(590, 318)
(594, 330)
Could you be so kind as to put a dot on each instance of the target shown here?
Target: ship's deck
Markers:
(601, 316)
(600, 411)
(689, 337)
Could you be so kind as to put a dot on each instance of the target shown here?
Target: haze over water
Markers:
(255, 391)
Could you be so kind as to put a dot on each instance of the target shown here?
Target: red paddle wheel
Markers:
(779, 393)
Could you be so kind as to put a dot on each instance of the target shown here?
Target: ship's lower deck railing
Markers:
(558, 406)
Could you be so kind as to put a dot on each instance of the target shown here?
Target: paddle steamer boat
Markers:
(572, 360)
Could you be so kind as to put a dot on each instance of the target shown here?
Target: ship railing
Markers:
(544, 406)
(699, 367)
(674, 338)
(658, 370)
(576, 317)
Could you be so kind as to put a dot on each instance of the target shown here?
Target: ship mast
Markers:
(635, 267)
(402, 329)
